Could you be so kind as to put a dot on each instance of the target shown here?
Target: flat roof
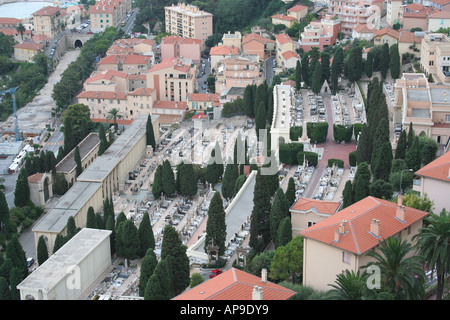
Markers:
(59, 264)
(67, 164)
(420, 113)
(55, 220)
(440, 95)
(418, 95)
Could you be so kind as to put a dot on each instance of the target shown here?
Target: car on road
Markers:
(215, 273)
(30, 262)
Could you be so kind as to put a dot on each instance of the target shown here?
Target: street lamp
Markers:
(401, 177)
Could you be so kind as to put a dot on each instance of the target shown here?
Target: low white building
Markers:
(66, 274)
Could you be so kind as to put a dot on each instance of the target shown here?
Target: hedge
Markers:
(312, 157)
(357, 127)
(317, 131)
(342, 132)
(352, 158)
(295, 133)
(288, 152)
(339, 162)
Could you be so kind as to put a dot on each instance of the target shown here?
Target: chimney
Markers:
(375, 227)
(400, 211)
(257, 293)
(337, 236)
(264, 275)
(343, 227)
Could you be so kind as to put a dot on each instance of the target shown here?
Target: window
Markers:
(311, 223)
(346, 257)
(447, 118)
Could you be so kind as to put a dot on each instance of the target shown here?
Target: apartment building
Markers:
(394, 12)
(363, 32)
(341, 241)
(410, 42)
(203, 102)
(238, 72)
(232, 40)
(354, 12)
(188, 21)
(172, 79)
(128, 63)
(283, 19)
(25, 51)
(254, 43)
(145, 47)
(130, 104)
(416, 16)
(107, 13)
(434, 181)
(298, 12)
(47, 21)
(178, 47)
(437, 20)
(283, 43)
(106, 80)
(435, 56)
(221, 52)
(425, 104)
(321, 34)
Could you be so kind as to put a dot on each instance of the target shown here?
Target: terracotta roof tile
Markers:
(437, 169)
(30, 46)
(204, 97)
(283, 38)
(223, 50)
(46, 11)
(180, 105)
(319, 206)
(297, 8)
(257, 37)
(105, 75)
(290, 54)
(235, 284)
(283, 17)
(102, 95)
(391, 32)
(358, 217)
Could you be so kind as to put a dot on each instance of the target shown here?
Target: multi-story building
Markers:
(426, 105)
(188, 21)
(341, 241)
(363, 32)
(394, 12)
(128, 63)
(107, 13)
(435, 56)
(298, 12)
(221, 52)
(416, 16)
(283, 19)
(46, 21)
(283, 43)
(238, 72)
(254, 43)
(320, 34)
(386, 35)
(354, 12)
(172, 79)
(179, 47)
(203, 102)
(232, 40)
(438, 20)
(106, 80)
(145, 47)
(25, 51)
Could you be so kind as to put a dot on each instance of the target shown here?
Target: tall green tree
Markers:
(284, 234)
(77, 158)
(145, 235)
(368, 67)
(287, 263)
(153, 290)
(347, 195)
(4, 212)
(394, 61)
(214, 168)
(42, 251)
(305, 69)
(149, 133)
(129, 243)
(361, 182)
(260, 119)
(298, 75)
(216, 229)
(384, 60)
(5, 293)
(15, 278)
(164, 274)
(229, 180)
(174, 251)
(278, 211)
(22, 190)
(316, 80)
(148, 265)
(259, 225)
(157, 186)
(413, 157)
(290, 192)
(433, 244)
(103, 141)
(325, 64)
(168, 178)
(188, 180)
(400, 151)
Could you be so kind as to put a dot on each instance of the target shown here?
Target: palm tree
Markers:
(114, 114)
(348, 286)
(433, 244)
(401, 272)
(21, 29)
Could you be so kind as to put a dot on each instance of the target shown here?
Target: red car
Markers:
(215, 272)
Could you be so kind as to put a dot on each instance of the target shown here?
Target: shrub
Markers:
(317, 131)
(352, 158)
(311, 157)
(288, 152)
(342, 132)
(339, 162)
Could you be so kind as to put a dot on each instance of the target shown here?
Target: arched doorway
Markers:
(78, 43)
(47, 183)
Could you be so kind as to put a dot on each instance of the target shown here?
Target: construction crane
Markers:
(16, 120)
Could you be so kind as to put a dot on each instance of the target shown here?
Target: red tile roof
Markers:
(437, 169)
(319, 206)
(297, 8)
(47, 11)
(122, 122)
(102, 95)
(358, 217)
(290, 54)
(176, 39)
(409, 37)
(283, 17)
(440, 15)
(9, 20)
(235, 284)
(126, 59)
(171, 63)
(223, 50)
(203, 97)
(180, 105)
(391, 32)
(106, 75)
(30, 46)
(142, 92)
(34, 178)
(257, 37)
(283, 38)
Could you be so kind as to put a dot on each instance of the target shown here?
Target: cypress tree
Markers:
(361, 182)
(174, 251)
(216, 229)
(69, 136)
(229, 180)
(400, 151)
(153, 290)
(411, 135)
(146, 236)
(77, 158)
(290, 192)
(91, 222)
(305, 69)
(71, 228)
(129, 240)
(214, 169)
(164, 275)
(325, 64)
(42, 251)
(394, 61)
(15, 252)
(188, 180)
(15, 279)
(157, 186)
(112, 238)
(284, 234)
(260, 119)
(259, 225)
(278, 211)
(364, 148)
(248, 101)
(5, 293)
(381, 136)
(4, 212)
(99, 221)
(298, 76)
(148, 265)
(316, 81)
(168, 178)
(413, 157)
(384, 60)
(368, 67)
(381, 166)
(103, 142)
(22, 190)
(59, 242)
(347, 195)
(150, 134)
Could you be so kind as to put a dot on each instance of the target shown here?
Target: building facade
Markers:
(320, 34)
(238, 72)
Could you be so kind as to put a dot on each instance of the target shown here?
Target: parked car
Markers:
(215, 273)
